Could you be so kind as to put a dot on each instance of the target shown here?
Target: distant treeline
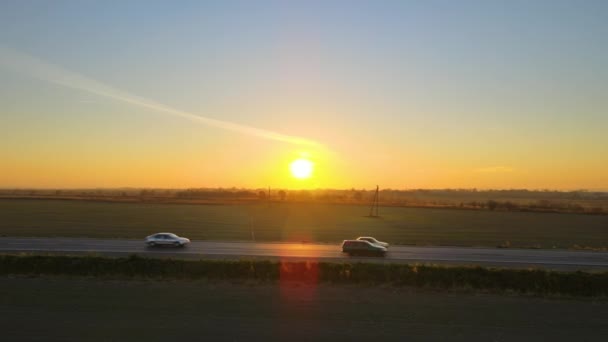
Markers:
(581, 201)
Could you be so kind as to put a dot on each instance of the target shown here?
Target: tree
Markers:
(262, 195)
(492, 204)
(282, 195)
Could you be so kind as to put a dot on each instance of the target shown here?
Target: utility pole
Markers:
(251, 227)
(375, 204)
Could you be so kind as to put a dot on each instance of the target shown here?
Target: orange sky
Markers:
(404, 95)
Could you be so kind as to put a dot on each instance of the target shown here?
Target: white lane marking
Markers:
(334, 255)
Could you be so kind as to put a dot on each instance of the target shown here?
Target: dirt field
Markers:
(102, 310)
(302, 222)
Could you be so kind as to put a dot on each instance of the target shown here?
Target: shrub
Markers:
(533, 281)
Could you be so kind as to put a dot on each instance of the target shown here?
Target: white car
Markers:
(373, 240)
(166, 239)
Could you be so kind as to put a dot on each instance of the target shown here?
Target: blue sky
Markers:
(429, 90)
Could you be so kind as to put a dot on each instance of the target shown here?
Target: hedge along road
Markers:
(553, 259)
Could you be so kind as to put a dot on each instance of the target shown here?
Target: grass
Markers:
(61, 309)
(302, 222)
(536, 282)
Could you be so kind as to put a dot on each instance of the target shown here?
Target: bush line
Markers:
(525, 281)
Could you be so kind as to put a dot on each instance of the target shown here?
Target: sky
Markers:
(403, 94)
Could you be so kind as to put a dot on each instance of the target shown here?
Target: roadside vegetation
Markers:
(531, 281)
(303, 222)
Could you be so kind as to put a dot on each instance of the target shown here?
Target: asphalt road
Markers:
(557, 259)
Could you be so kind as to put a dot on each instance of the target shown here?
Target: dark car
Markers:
(362, 247)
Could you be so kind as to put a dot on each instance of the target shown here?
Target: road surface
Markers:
(557, 259)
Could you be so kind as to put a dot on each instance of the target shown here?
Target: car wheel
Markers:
(151, 244)
(177, 244)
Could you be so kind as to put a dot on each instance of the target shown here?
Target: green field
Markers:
(61, 309)
(302, 222)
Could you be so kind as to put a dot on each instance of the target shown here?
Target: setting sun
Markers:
(301, 168)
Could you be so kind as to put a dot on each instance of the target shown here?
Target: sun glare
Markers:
(301, 168)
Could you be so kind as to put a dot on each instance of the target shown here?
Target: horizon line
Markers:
(305, 189)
